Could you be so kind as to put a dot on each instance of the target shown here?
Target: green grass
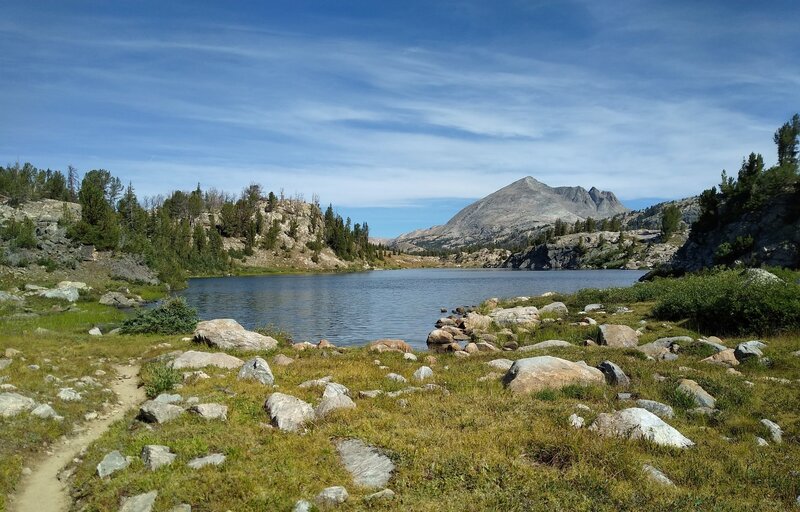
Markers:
(477, 447)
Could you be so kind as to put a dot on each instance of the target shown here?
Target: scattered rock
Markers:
(167, 398)
(775, 432)
(593, 307)
(288, 413)
(423, 372)
(333, 402)
(760, 441)
(558, 308)
(12, 404)
(725, 357)
(227, 334)
(215, 459)
(118, 300)
(520, 315)
(545, 344)
(477, 322)
(69, 395)
(302, 506)
(389, 345)
(257, 369)
(44, 411)
(614, 374)
(316, 383)
(211, 411)
(396, 378)
(501, 364)
(547, 372)
(749, 350)
(576, 421)
(618, 336)
(408, 356)
(370, 393)
(663, 411)
(654, 475)
(638, 423)
(158, 412)
(193, 359)
(95, 331)
(112, 462)
(282, 360)
(139, 503)
(700, 395)
(368, 466)
(384, 495)
(332, 496)
(155, 456)
(5, 363)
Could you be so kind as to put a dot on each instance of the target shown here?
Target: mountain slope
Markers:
(512, 213)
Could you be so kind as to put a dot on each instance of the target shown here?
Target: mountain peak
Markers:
(514, 212)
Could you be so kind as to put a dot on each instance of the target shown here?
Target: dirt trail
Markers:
(42, 491)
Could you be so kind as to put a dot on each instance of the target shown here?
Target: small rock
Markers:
(332, 496)
(760, 441)
(333, 402)
(69, 395)
(215, 459)
(166, 398)
(288, 413)
(316, 383)
(211, 411)
(12, 404)
(396, 378)
(656, 476)
(663, 411)
(5, 363)
(282, 360)
(155, 456)
(749, 350)
(139, 503)
(614, 374)
(501, 364)
(545, 345)
(700, 395)
(384, 495)
(576, 421)
(193, 359)
(775, 432)
(408, 356)
(302, 506)
(370, 394)
(368, 466)
(422, 373)
(111, 463)
(158, 412)
(44, 411)
(638, 423)
(95, 331)
(618, 336)
(257, 369)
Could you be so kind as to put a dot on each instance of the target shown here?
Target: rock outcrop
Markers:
(227, 334)
(546, 372)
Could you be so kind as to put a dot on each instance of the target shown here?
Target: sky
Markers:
(398, 113)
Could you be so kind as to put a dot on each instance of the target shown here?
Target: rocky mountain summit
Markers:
(512, 214)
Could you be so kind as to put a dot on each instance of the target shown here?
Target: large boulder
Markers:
(159, 412)
(155, 456)
(288, 413)
(546, 372)
(614, 374)
(638, 423)
(749, 350)
(389, 345)
(368, 466)
(12, 404)
(477, 322)
(227, 334)
(333, 402)
(193, 359)
(111, 463)
(618, 336)
(439, 337)
(725, 357)
(520, 315)
(257, 369)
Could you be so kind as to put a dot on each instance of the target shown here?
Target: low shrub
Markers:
(159, 378)
(283, 336)
(172, 317)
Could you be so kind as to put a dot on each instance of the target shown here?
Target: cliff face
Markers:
(768, 236)
(513, 213)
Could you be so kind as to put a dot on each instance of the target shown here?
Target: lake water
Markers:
(352, 309)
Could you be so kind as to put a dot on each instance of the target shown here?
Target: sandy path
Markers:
(42, 491)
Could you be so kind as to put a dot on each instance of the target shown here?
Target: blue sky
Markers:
(399, 113)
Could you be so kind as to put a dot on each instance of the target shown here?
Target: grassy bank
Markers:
(469, 446)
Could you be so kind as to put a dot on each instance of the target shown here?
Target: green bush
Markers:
(20, 234)
(172, 317)
(159, 378)
(725, 302)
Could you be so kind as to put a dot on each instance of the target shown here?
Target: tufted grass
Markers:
(476, 448)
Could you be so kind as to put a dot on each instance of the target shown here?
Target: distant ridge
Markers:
(512, 213)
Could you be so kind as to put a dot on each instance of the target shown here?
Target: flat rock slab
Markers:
(638, 423)
(211, 411)
(193, 359)
(547, 372)
(332, 496)
(389, 345)
(520, 315)
(287, 412)
(139, 503)
(158, 412)
(544, 345)
(111, 463)
(618, 336)
(228, 334)
(257, 369)
(368, 466)
(155, 456)
(215, 459)
(12, 404)
(69, 395)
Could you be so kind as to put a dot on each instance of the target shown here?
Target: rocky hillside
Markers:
(650, 217)
(512, 214)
